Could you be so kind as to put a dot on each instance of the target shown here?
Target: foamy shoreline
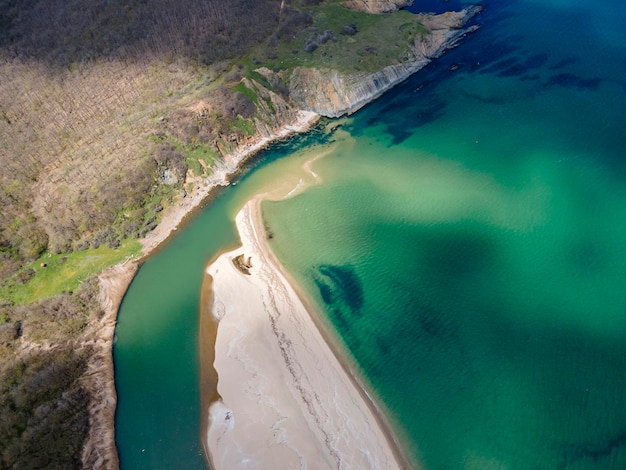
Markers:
(285, 397)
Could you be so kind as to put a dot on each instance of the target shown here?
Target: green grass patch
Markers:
(257, 77)
(251, 94)
(246, 125)
(380, 40)
(193, 153)
(64, 272)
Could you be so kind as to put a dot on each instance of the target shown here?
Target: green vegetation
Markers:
(103, 110)
(42, 410)
(43, 400)
(245, 125)
(251, 94)
(79, 100)
(332, 36)
(198, 156)
(54, 274)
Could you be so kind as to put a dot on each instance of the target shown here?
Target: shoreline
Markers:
(345, 360)
(348, 364)
(287, 381)
(99, 450)
(203, 187)
(208, 375)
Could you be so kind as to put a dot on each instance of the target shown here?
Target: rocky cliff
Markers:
(333, 93)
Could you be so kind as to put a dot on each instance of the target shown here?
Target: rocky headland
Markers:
(333, 93)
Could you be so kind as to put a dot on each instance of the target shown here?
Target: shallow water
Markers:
(467, 243)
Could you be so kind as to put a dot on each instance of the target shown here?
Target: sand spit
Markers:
(286, 401)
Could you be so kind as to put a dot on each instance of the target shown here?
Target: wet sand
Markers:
(206, 338)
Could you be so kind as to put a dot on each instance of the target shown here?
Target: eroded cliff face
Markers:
(377, 6)
(333, 93)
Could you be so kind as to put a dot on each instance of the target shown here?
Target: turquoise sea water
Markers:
(468, 243)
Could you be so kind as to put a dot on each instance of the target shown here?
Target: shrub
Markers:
(326, 36)
(310, 46)
(8, 332)
(350, 29)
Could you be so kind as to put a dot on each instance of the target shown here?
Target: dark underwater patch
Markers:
(497, 100)
(536, 61)
(532, 77)
(597, 453)
(432, 322)
(563, 63)
(512, 67)
(340, 286)
(325, 291)
(569, 80)
(514, 71)
(499, 66)
(342, 292)
(426, 111)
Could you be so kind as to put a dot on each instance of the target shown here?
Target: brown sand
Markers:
(99, 451)
(208, 374)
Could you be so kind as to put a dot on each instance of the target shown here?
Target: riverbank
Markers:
(99, 451)
(285, 396)
(220, 176)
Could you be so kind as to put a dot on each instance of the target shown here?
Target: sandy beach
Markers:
(286, 400)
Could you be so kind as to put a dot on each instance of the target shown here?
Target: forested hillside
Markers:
(83, 86)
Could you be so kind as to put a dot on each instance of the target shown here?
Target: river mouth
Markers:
(480, 215)
(156, 350)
